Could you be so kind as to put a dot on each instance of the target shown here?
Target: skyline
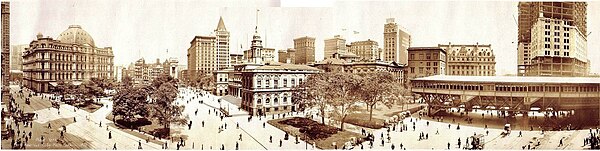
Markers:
(137, 29)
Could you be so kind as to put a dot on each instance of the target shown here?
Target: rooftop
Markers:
(512, 79)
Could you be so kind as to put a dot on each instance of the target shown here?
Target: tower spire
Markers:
(256, 27)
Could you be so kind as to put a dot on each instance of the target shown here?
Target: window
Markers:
(556, 28)
(284, 99)
(267, 101)
(547, 39)
(412, 69)
(566, 34)
(556, 40)
(546, 45)
(275, 101)
(435, 64)
(258, 101)
(546, 26)
(556, 53)
(258, 82)
(284, 82)
(293, 82)
(566, 47)
(547, 33)
(267, 82)
(566, 40)
(300, 81)
(556, 33)
(546, 52)
(412, 56)
(556, 46)
(566, 54)
(428, 63)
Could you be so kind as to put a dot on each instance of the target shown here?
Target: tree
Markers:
(127, 82)
(310, 94)
(129, 103)
(341, 94)
(164, 90)
(375, 88)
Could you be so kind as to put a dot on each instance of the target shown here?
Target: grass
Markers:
(361, 119)
(147, 126)
(91, 108)
(340, 137)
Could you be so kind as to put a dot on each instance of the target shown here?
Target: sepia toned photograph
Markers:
(300, 75)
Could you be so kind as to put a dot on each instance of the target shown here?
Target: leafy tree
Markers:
(342, 94)
(127, 82)
(164, 90)
(129, 103)
(376, 87)
(310, 94)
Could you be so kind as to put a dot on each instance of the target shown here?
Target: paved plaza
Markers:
(87, 128)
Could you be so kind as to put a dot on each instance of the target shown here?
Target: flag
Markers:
(356, 32)
(343, 29)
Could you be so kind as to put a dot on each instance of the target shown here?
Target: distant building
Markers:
(305, 50)
(351, 66)
(396, 41)
(337, 44)
(144, 73)
(222, 46)
(235, 59)
(366, 50)
(426, 61)
(470, 60)
(118, 73)
(16, 56)
(287, 56)
(268, 54)
(73, 56)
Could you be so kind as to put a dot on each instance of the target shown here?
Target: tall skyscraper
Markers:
(305, 50)
(201, 56)
(396, 41)
(572, 14)
(222, 43)
(337, 44)
(5, 50)
(209, 53)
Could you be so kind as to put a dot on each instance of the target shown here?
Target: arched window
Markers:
(267, 101)
(258, 101)
(275, 101)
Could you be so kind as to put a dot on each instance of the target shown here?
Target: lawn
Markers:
(380, 114)
(322, 135)
(148, 126)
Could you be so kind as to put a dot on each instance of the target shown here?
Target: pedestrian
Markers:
(561, 143)
(280, 143)
(240, 137)
(115, 146)
(264, 124)
(42, 139)
(448, 145)
(271, 139)
(202, 123)
(139, 144)
(392, 146)
(109, 134)
(520, 134)
(237, 146)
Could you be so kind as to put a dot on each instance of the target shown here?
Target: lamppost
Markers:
(303, 131)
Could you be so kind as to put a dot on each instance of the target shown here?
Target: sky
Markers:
(137, 28)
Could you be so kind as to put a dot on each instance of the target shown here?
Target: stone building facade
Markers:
(470, 60)
(73, 56)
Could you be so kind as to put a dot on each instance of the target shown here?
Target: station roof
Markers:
(512, 79)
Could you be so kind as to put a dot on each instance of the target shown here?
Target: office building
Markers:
(337, 44)
(426, 61)
(305, 50)
(396, 41)
(469, 60)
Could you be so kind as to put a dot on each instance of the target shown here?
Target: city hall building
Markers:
(73, 56)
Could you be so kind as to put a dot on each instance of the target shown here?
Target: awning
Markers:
(53, 83)
(77, 82)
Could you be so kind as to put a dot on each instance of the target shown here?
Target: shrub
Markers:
(312, 129)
